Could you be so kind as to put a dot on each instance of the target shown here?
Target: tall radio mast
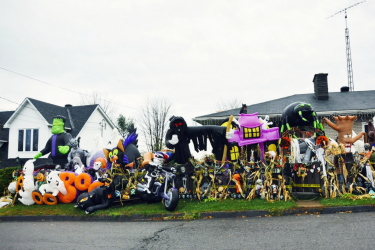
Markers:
(348, 51)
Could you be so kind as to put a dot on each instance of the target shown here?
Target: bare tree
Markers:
(153, 122)
(227, 104)
(96, 97)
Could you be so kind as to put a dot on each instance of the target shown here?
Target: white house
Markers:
(27, 129)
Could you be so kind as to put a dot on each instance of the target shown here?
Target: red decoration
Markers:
(285, 143)
(321, 139)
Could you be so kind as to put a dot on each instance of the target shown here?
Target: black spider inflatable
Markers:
(299, 114)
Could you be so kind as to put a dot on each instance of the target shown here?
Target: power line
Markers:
(64, 88)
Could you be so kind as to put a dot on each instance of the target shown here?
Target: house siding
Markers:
(6, 162)
(91, 128)
(27, 118)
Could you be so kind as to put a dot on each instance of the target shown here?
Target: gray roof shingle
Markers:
(338, 101)
(4, 117)
(79, 114)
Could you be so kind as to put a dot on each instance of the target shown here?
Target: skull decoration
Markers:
(181, 190)
(159, 158)
(220, 191)
(274, 191)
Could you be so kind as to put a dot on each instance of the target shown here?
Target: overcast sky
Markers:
(195, 53)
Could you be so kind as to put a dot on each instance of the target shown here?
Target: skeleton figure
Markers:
(274, 191)
(258, 187)
(157, 162)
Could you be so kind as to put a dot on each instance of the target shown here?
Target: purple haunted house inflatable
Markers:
(252, 132)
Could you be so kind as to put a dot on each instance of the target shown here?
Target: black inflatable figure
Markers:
(100, 198)
(299, 114)
(126, 152)
(243, 109)
(179, 135)
(57, 144)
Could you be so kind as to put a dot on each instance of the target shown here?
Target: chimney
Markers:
(344, 89)
(321, 86)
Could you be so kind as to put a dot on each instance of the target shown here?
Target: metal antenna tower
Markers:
(348, 50)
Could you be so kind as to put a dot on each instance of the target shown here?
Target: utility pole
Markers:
(349, 65)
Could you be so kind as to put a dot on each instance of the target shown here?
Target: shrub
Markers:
(6, 178)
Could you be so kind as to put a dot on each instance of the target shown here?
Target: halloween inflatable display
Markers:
(299, 114)
(98, 199)
(251, 159)
(48, 192)
(344, 127)
(159, 182)
(28, 184)
(76, 152)
(179, 136)
(124, 152)
(57, 145)
(252, 132)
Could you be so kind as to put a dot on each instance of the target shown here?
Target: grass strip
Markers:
(191, 208)
(337, 202)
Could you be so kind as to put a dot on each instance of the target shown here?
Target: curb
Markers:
(206, 215)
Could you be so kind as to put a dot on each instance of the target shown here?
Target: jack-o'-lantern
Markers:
(40, 177)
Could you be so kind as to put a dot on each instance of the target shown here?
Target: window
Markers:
(251, 133)
(20, 140)
(28, 139)
(234, 153)
(365, 127)
(35, 139)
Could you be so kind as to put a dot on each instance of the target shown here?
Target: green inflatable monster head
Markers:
(58, 124)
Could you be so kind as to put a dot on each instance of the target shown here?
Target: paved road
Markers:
(333, 231)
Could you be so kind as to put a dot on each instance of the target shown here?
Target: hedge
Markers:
(6, 178)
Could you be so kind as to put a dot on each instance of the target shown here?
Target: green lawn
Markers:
(192, 208)
(347, 202)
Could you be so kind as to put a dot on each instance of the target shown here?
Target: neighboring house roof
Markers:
(76, 116)
(338, 101)
(4, 132)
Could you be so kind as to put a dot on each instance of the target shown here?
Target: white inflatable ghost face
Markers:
(97, 165)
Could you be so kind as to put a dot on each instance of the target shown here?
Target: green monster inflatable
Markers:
(57, 144)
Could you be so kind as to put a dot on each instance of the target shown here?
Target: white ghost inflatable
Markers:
(28, 184)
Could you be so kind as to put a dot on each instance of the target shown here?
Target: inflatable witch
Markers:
(57, 145)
